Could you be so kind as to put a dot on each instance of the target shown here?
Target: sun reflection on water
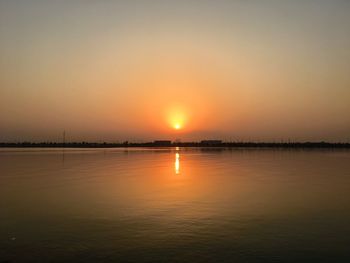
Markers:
(177, 163)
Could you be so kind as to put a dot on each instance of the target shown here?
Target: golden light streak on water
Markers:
(177, 163)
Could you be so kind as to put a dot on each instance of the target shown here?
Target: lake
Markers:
(174, 205)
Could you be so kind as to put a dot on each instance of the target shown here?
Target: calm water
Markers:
(174, 205)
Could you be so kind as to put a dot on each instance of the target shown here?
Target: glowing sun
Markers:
(177, 126)
(176, 118)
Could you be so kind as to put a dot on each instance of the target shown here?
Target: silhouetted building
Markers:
(162, 143)
(211, 142)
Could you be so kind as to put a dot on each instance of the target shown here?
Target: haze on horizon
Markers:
(133, 70)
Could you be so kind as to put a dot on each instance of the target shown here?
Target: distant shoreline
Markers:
(177, 144)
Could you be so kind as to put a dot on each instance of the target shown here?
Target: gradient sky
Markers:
(131, 70)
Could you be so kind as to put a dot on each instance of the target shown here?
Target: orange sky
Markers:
(121, 70)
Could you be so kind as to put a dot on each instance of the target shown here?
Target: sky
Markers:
(188, 70)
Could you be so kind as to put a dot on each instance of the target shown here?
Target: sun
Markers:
(177, 126)
(176, 118)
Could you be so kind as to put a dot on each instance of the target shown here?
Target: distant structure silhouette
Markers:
(211, 142)
(64, 138)
(162, 143)
(168, 143)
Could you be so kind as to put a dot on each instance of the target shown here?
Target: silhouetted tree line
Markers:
(179, 144)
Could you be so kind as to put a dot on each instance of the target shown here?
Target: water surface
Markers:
(174, 205)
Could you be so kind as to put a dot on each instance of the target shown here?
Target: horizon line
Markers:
(169, 143)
